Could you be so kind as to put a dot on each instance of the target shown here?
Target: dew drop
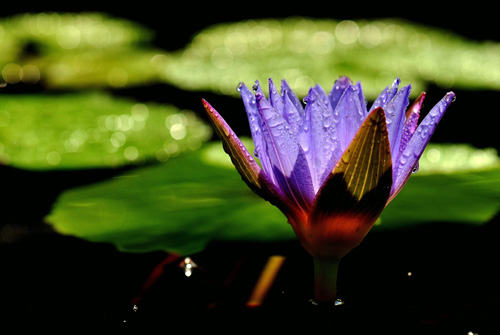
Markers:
(451, 97)
(188, 266)
(424, 132)
(338, 302)
(404, 158)
(238, 88)
(415, 168)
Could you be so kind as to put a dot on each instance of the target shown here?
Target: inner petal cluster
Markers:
(299, 143)
(298, 146)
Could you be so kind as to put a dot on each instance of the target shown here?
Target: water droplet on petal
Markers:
(404, 158)
(415, 168)
(238, 88)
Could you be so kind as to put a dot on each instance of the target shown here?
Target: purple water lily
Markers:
(332, 166)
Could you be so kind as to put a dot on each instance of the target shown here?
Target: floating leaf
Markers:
(75, 50)
(185, 203)
(178, 206)
(460, 197)
(310, 51)
(94, 49)
(92, 130)
(88, 30)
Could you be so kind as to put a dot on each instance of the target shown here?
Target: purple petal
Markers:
(323, 149)
(395, 113)
(337, 90)
(362, 99)
(350, 113)
(286, 91)
(411, 123)
(416, 145)
(288, 162)
(386, 95)
(291, 114)
(275, 98)
(245, 164)
(255, 121)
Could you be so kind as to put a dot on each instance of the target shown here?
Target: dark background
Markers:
(49, 281)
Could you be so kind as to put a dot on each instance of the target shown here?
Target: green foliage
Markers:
(92, 130)
(92, 49)
(183, 204)
(178, 206)
(310, 51)
(70, 50)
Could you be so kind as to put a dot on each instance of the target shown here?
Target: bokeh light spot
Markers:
(347, 31)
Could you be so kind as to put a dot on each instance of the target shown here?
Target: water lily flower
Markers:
(332, 166)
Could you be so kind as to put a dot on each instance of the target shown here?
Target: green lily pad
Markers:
(76, 50)
(92, 130)
(94, 49)
(178, 206)
(471, 197)
(183, 204)
(309, 51)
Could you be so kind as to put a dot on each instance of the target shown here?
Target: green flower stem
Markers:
(325, 280)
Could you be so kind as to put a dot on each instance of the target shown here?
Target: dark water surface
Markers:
(439, 279)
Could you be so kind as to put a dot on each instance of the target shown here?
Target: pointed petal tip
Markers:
(444, 103)
(344, 79)
(377, 115)
(207, 105)
(212, 113)
(342, 82)
(420, 99)
(450, 97)
(260, 96)
(396, 82)
(416, 106)
(378, 118)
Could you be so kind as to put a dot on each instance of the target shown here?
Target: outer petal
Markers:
(287, 158)
(256, 124)
(416, 145)
(411, 123)
(354, 194)
(395, 113)
(246, 165)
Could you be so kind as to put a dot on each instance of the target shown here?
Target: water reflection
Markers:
(188, 265)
